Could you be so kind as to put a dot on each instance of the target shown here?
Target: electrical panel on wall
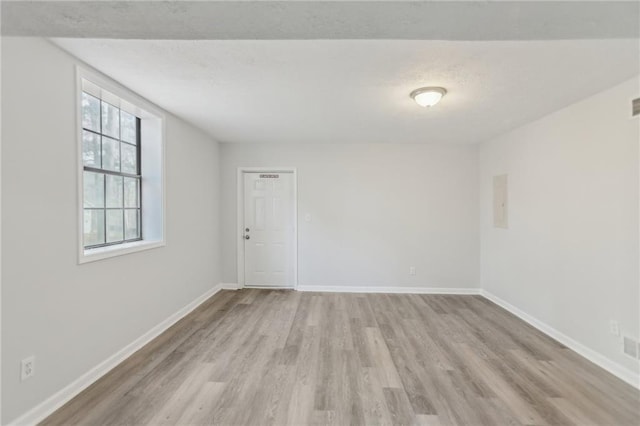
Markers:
(500, 210)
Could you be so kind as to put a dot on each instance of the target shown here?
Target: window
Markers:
(121, 170)
(111, 158)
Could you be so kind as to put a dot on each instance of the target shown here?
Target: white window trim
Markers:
(91, 255)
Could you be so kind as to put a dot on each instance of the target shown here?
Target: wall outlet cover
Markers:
(27, 368)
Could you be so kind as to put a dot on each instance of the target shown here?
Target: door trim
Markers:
(240, 219)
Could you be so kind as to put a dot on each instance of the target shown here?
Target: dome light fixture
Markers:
(428, 96)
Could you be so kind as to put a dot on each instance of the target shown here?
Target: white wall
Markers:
(70, 316)
(570, 255)
(376, 210)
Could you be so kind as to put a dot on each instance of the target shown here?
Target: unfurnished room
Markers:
(320, 213)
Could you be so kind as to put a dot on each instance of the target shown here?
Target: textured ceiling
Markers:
(305, 20)
(344, 91)
(341, 71)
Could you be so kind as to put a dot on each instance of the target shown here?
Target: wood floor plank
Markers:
(525, 413)
(427, 420)
(300, 405)
(399, 406)
(198, 411)
(382, 359)
(274, 357)
(189, 389)
(375, 409)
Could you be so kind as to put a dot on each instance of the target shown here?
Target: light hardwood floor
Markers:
(267, 357)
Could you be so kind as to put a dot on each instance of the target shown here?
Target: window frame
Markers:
(101, 170)
(150, 144)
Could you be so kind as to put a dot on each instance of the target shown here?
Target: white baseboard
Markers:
(588, 353)
(57, 400)
(365, 289)
(229, 286)
(407, 290)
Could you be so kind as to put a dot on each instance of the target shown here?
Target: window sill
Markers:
(96, 254)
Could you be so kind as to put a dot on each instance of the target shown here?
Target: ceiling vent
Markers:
(635, 107)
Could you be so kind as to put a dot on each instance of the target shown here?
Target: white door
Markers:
(269, 229)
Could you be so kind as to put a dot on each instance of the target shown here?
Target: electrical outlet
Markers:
(614, 328)
(27, 368)
(412, 270)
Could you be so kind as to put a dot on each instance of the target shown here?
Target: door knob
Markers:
(246, 237)
(246, 229)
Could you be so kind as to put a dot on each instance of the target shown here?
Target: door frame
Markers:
(240, 219)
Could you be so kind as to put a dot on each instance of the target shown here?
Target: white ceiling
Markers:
(323, 20)
(355, 91)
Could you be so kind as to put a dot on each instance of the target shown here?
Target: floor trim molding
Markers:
(58, 399)
(401, 290)
(598, 359)
(229, 286)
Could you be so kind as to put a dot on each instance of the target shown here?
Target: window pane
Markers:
(110, 154)
(128, 127)
(131, 224)
(110, 120)
(91, 149)
(129, 159)
(115, 227)
(131, 196)
(93, 227)
(90, 112)
(114, 191)
(93, 189)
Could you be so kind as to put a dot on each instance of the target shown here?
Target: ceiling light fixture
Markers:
(428, 96)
